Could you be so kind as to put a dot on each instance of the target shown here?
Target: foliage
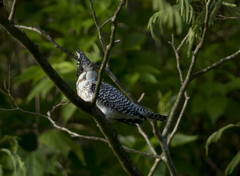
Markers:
(141, 65)
(186, 10)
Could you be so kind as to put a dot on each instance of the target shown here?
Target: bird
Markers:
(113, 104)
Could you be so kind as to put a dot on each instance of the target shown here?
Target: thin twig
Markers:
(184, 40)
(154, 167)
(166, 157)
(107, 52)
(198, 73)
(73, 134)
(141, 97)
(97, 25)
(143, 133)
(181, 79)
(146, 139)
(178, 121)
(43, 33)
(226, 18)
(12, 13)
(106, 22)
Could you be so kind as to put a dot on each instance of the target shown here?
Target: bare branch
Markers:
(43, 33)
(12, 13)
(143, 133)
(141, 97)
(62, 103)
(226, 18)
(181, 79)
(106, 22)
(184, 40)
(97, 25)
(154, 167)
(196, 74)
(189, 74)
(166, 157)
(107, 52)
(178, 121)
(146, 139)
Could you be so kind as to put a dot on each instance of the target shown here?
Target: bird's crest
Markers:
(83, 62)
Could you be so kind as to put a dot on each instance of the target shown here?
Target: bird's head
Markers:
(85, 67)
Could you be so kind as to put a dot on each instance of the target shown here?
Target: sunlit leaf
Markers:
(181, 139)
(43, 86)
(148, 77)
(67, 111)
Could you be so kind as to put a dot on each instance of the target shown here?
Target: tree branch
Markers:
(154, 167)
(43, 33)
(166, 157)
(93, 111)
(228, 58)
(12, 13)
(188, 77)
(108, 48)
(107, 70)
(98, 27)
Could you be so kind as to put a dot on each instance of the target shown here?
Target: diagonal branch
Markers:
(196, 74)
(106, 70)
(44, 34)
(93, 111)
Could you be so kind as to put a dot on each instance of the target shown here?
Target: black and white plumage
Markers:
(110, 100)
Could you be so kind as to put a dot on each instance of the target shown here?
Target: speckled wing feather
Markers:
(112, 98)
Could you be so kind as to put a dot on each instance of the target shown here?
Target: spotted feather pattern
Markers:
(111, 99)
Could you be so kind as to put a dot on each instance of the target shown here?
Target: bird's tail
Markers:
(155, 116)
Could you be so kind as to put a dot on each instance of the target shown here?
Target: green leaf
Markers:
(166, 102)
(35, 162)
(167, 15)
(215, 107)
(127, 140)
(10, 143)
(181, 139)
(214, 11)
(62, 142)
(132, 78)
(43, 87)
(67, 111)
(133, 41)
(149, 78)
(216, 136)
(11, 163)
(30, 74)
(233, 164)
(229, 4)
